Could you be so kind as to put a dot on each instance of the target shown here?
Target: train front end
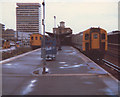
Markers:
(95, 42)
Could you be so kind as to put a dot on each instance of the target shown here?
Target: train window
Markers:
(95, 36)
(86, 36)
(36, 38)
(31, 38)
(40, 38)
(103, 36)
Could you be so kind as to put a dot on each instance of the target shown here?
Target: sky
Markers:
(79, 15)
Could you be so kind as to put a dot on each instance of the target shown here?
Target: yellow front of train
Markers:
(94, 42)
(94, 39)
(6, 44)
(35, 40)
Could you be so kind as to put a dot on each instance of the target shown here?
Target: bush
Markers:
(18, 51)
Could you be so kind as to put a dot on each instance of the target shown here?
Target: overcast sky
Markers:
(79, 15)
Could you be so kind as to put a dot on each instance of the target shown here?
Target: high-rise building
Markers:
(28, 17)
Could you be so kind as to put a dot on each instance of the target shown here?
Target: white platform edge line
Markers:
(102, 69)
(69, 74)
(13, 58)
(57, 74)
(107, 72)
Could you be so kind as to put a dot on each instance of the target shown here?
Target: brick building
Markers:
(62, 29)
(63, 34)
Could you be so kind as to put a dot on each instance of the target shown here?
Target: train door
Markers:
(95, 40)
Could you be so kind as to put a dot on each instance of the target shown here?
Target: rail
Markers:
(113, 66)
(114, 44)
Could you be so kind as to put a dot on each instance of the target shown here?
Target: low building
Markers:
(24, 37)
(62, 33)
(8, 34)
(2, 29)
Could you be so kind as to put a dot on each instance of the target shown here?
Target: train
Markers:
(114, 40)
(5, 44)
(36, 40)
(92, 42)
(113, 37)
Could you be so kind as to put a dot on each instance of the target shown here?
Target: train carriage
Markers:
(35, 40)
(113, 37)
(92, 42)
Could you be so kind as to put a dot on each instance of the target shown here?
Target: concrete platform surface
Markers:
(71, 73)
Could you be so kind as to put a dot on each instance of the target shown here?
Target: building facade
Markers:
(62, 29)
(2, 29)
(8, 34)
(28, 17)
(63, 34)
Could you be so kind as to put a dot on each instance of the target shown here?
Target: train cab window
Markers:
(36, 38)
(31, 38)
(103, 36)
(40, 38)
(95, 36)
(86, 36)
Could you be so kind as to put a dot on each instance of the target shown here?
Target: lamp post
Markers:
(44, 55)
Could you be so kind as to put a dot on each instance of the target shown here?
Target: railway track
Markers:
(111, 65)
(108, 66)
(111, 68)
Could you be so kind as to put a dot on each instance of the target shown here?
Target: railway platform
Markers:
(72, 73)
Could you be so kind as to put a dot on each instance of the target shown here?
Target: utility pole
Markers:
(44, 54)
